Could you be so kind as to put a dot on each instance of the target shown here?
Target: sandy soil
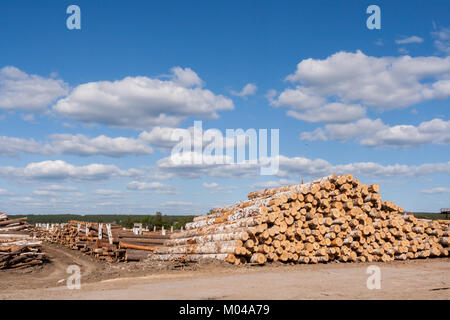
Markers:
(418, 279)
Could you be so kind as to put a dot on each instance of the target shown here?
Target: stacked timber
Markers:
(103, 241)
(18, 248)
(335, 218)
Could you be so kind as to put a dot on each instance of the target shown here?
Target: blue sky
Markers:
(84, 114)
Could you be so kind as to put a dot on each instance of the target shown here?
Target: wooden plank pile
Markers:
(18, 248)
(335, 218)
(103, 241)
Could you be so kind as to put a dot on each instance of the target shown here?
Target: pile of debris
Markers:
(109, 242)
(18, 248)
(335, 218)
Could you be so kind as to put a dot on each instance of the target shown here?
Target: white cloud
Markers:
(300, 166)
(75, 145)
(4, 192)
(300, 98)
(11, 147)
(22, 199)
(296, 167)
(273, 184)
(165, 138)
(213, 166)
(61, 170)
(308, 106)
(435, 131)
(44, 193)
(157, 187)
(332, 112)
(214, 187)
(108, 192)
(436, 190)
(59, 188)
(248, 90)
(408, 40)
(177, 203)
(102, 145)
(374, 133)
(442, 39)
(211, 185)
(56, 191)
(29, 117)
(342, 132)
(403, 51)
(68, 125)
(384, 83)
(21, 91)
(186, 77)
(162, 137)
(142, 102)
(107, 204)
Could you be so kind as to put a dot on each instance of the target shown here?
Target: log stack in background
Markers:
(335, 218)
(18, 247)
(125, 244)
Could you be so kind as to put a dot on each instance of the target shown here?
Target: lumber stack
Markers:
(18, 248)
(94, 239)
(335, 218)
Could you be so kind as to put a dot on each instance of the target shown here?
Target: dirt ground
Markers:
(416, 279)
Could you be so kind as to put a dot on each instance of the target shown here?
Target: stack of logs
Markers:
(118, 245)
(335, 218)
(18, 249)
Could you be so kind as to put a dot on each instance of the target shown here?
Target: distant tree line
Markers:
(157, 220)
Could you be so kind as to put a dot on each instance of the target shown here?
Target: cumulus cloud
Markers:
(435, 131)
(157, 187)
(214, 187)
(142, 102)
(55, 190)
(108, 192)
(4, 192)
(184, 166)
(298, 167)
(79, 144)
(248, 90)
(61, 170)
(318, 167)
(384, 83)
(408, 40)
(300, 98)
(166, 138)
(211, 185)
(186, 77)
(442, 39)
(331, 112)
(273, 184)
(178, 204)
(21, 91)
(59, 188)
(44, 193)
(342, 132)
(11, 146)
(102, 145)
(375, 133)
(403, 51)
(437, 190)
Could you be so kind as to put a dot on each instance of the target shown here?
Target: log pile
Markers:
(335, 218)
(18, 248)
(103, 241)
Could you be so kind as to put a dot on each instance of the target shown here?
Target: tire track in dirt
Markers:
(51, 273)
